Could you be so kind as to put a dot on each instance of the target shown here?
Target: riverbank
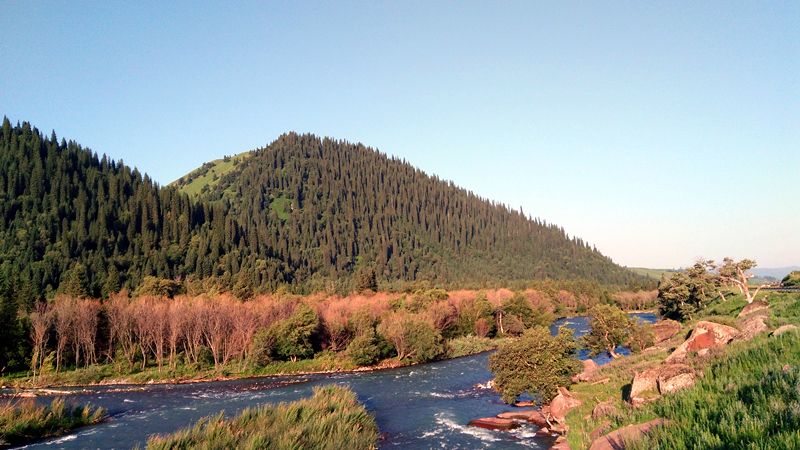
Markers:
(622, 396)
(22, 422)
(325, 363)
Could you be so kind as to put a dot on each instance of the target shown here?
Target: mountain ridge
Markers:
(310, 213)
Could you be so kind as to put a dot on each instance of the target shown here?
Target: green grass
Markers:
(22, 422)
(282, 206)
(331, 418)
(209, 174)
(470, 345)
(744, 399)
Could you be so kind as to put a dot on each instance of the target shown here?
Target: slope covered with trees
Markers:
(324, 209)
(305, 212)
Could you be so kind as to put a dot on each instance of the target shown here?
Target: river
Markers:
(424, 406)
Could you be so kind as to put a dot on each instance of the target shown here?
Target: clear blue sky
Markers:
(661, 132)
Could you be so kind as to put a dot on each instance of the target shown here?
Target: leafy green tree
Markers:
(158, 287)
(476, 315)
(413, 338)
(364, 349)
(536, 363)
(293, 335)
(683, 294)
(791, 280)
(262, 347)
(609, 328)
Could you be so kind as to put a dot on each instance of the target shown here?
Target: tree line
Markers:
(303, 213)
(217, 331)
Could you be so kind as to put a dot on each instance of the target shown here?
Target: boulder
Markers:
(604, 409)
(752, 325)
(757, 305)
(560, 444)
(538, 418)
(600, 430)
(674, 377)
(589, 369)
(524, 404)
(494, 423)
(644, 381)
(562, 403)
(664, 330)
(784, 329)
(518, 415)
(705, 335)
(616, 440)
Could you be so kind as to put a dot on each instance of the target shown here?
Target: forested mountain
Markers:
(304, 212)
(326, 209)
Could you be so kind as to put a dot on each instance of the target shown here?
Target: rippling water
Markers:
(425, 406)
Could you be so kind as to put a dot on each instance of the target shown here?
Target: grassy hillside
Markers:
(746, 395)
(208, 175)
(654, 274)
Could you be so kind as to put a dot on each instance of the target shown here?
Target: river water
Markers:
(425, 406)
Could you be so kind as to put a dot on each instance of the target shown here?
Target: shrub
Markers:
(364, 350)
(413, 338)
(536, 363)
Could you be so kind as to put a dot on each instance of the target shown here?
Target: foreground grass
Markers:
(748, 396)
(331, 418)
(749, 399)
(25, 421)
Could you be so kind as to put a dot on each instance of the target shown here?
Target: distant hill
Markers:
(776, 273)
(305, 212)
(655, 274)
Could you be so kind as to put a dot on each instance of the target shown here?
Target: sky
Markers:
(661, 132)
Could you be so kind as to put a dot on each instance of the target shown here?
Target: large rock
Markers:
(604, 409)
(519, 415)
(784, 329)
(600, 430)
(539, 417)
(664, 379)
(664, 329)
(560, 444)
(617, 439)
(757, 305)
(589, 369)
(674, 377)
(644, 381)
(562, 403)
(706, 335)
(494, 423)
(752, 325)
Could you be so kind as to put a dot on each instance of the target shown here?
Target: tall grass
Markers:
(25, 421)
(331, 418)
(749, 399)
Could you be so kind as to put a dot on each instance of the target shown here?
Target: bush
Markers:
(364, 350)
(413, 338)
(536, 363)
